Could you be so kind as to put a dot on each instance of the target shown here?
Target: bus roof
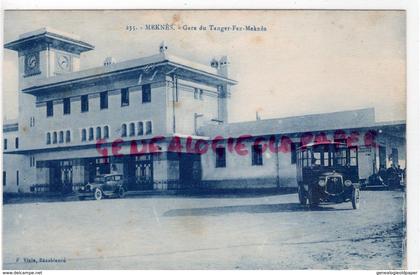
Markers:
(312, 144)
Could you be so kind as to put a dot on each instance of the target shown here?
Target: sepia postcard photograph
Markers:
(204, 139)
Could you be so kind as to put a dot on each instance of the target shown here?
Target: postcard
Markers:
(204, 139)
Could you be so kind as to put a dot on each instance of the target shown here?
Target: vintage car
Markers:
(109, 185)
(391, 178)
(328, 172)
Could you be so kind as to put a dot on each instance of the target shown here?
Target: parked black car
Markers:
(109, 185)
(391, 178)
(328, 172)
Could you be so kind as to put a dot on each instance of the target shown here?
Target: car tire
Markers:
(302, 196)
(355, 198)
(121, 192)
(81, 198)
(98, 194)
(312, 198)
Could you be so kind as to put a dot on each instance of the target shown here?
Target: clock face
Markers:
(32, 64)
(63, 62)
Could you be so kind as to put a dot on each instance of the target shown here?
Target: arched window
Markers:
(132, 129)
(68, 138)
(106, 132)
(54, 138)
(124, 130)
(83, 134)
(140, 130)
(148, 127)
(98, 133)
(48, 138)
(61, 137)
(90, 133)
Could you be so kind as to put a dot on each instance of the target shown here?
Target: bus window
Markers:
(353, 156)
(316, 160)
(326, 159)
(340, 156)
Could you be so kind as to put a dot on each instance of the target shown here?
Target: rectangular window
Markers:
(31, 121)
(17, 143)
(146, 93)
(5, 144)
(148, 127)
(195, 93)
(125, 97)
(66, 106)
(257, 155)
(17, 177)
(4, 178)
(85, 103)
(32, 161)
(200, 94)
(104, 100)
(50, 108)
(220, 157)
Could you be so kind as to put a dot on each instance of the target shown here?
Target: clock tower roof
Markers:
(51, 37)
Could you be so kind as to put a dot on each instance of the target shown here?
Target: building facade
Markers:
(160, 120)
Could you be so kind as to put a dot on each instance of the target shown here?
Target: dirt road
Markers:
(265, 232)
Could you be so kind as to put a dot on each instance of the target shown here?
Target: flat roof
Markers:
(174, 62)
(350, 119)
(51, 36)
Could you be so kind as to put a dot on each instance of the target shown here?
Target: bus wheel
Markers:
(312, 197)
(302, 196)
(355, 198)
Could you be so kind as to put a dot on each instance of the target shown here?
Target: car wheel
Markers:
(312, 197)
(355, 198)
(98, 194)
(82, 198)
(121, 192)
(302, 196)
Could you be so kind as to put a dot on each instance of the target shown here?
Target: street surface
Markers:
(214, 232)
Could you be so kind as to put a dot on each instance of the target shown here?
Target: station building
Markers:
(160, 120)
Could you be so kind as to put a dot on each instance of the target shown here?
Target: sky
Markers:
(306, 62)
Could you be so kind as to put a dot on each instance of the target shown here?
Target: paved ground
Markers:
(264, 232)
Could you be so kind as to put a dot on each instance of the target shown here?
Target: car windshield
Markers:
(100, 179)
(327, 155)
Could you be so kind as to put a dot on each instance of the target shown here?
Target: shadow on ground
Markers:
(15, 198)
(252, 209)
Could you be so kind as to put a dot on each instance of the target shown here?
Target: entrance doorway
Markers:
(189, 170)
(60, 176)
(139, 172)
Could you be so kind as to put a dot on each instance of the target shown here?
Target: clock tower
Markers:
(47, 52)
(42, 54)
